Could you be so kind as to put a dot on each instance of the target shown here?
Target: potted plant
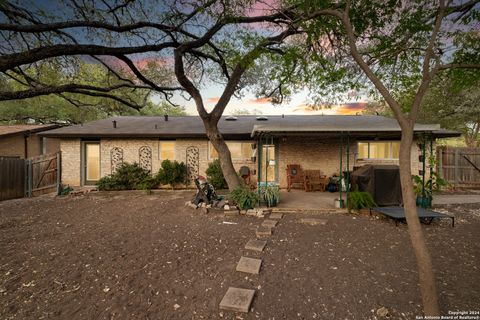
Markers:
(425, 193)
(271, 195)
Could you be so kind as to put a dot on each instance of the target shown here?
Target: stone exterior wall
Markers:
(310, 153)
(323, 154)
(71, 161)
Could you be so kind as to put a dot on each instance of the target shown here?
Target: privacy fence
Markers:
(29, 177)
(459, 166)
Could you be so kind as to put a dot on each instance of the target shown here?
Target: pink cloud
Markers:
(342, 109)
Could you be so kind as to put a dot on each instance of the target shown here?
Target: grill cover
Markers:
(381, 181)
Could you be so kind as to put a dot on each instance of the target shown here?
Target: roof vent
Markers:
(231, 118)
(114, 123)
(166, 117)
(262, 118)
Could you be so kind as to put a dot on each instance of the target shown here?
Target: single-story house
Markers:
(265, 144)
(23, 141)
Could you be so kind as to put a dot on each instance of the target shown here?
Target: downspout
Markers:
(431, 164)
(259, 164)
(25, 144)
(423, 167)
(341, 169)
(347, 184)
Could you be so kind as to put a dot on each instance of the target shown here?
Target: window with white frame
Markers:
(239, 150)
(378, 149)
(167, 150)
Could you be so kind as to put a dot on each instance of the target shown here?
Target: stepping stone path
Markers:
(276, 216)
(256, 245)
(263, 232)
(237, 299)
(313, 221)
(269, 223)
(249, 265)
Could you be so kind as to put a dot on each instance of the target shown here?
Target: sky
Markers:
(298, 104)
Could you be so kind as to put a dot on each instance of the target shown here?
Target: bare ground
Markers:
(149, 257)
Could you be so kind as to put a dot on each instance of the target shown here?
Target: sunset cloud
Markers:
(260, 100)
(342, 109)
(212, 100)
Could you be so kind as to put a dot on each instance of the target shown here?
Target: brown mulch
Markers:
(149, 257)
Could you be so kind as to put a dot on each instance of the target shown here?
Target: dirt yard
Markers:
(149, 257)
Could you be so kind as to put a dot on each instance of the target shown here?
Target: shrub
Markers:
(244, 198)
(128, 177)
(172, 173)
(215, 175)
(358, 200)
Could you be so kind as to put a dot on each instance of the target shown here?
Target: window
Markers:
(239, 150)
(167, 150)
(378, 150)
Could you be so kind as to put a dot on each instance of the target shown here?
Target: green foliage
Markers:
(72, 108)
(358, 200)
(434, 183)
(271, 195)
(215, 175)
(244, 198)
(128, 177)
(172, 173)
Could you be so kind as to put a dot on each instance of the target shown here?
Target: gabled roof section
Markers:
(8, 130)
(240, 127)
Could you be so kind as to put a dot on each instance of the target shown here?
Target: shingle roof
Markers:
(22, 128)
(242, 127)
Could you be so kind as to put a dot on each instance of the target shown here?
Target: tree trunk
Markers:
(224, 155)
(417, 238)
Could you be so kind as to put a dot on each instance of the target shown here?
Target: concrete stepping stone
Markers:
(249, 265)
(237, 299)
(256, 245)
(269, 223)
(313, 221)
(263, 232)
(276, 216)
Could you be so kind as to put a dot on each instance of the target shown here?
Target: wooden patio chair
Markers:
(294, 176)
(315, 180)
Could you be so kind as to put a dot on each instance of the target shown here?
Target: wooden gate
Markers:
(459, 166)
(12, 178)
(43, 174)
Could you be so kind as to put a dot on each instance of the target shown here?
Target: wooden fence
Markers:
(459, 166)
(31, 177)
(12, 178)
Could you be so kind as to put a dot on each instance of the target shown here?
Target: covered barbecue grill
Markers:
(381, 181)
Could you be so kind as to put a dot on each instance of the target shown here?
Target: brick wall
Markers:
(70, 149)
(323, 154)
(14, 146)
(131, 148)
(310, 153)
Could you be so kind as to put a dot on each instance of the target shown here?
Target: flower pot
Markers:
(339, 203)
(424, 202)
(272, 203)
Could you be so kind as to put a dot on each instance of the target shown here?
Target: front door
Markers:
(91, 162)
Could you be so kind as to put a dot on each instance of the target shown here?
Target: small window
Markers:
(239, 150)
(167, 150)
(378, 150)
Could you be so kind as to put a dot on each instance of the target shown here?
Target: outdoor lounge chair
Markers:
(294, 176)
(315, 180)
(398, 214)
